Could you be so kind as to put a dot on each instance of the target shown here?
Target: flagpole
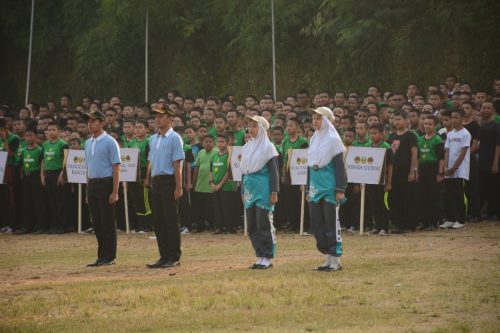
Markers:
(26, 98)
(274, 51)
(146, 83)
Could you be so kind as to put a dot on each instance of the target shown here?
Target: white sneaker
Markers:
(382, 233)
(447, 225)
(184, 231)
(458, 225)
(8, 230)
(351, 229)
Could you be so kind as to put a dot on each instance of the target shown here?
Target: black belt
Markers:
(99, 180)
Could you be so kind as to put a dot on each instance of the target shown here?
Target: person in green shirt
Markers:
(233, 121)
(140, 195)
(362, 139)
(9, 142)
(375, 203)
(225, 195)
(53, 181)
(128, 132)
(203, 198)
(289, 213)
(34, 210)
(430, 173)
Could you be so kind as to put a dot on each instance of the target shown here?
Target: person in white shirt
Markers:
(456, 161)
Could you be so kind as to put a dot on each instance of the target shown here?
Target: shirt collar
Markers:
(103, 134)
(166, 134)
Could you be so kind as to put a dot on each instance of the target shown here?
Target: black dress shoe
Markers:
(95, 264)
(158, 264)
(106, 262)
(333, 269)
(322, 268)
(171, 263)
(254, 266)
(264, 266)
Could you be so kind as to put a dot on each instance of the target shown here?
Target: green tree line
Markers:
(211, 47)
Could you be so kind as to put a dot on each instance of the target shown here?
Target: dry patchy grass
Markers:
(444, 281)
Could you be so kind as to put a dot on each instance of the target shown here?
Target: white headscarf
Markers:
(325, 145)
(257, 152)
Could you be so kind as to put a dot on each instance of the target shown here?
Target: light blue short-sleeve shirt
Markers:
(164, 150)
(101, 154)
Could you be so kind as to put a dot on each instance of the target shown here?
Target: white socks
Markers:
(333, 261)
(265, 262)
(259, 261)
(327, 261)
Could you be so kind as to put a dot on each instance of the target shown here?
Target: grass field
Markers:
(443, 281)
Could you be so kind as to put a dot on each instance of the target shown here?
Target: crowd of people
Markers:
(441, 167)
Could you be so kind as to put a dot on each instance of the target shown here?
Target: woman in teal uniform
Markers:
(259, 166)
(326, 186)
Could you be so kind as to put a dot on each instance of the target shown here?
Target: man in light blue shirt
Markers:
(102, 156)
(166, 155)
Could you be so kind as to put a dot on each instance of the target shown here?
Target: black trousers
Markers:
(34, 208)
(472, 189)
(17, 188)
(349, 212)
(326, 228)
(203, 210)
(375, 207)
(454, 204)
(58, 199)
(261, 231)
(489, 185)
(7, 202)
(429, 194)
(103, 216)
(166, 218)
(403, 201)
(225, 209)
(291, 205)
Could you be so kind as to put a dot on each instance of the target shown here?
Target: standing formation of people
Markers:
(441, 167)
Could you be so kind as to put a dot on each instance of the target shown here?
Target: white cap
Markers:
(260, 120)
(324, 111)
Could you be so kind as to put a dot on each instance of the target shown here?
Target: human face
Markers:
(456, 119)
(128, 129)
(411, 91)
(302, 100)
(435, 100)
(195, 122)
(232, 119)
(177, 122)
(220, 124)
(30, 138)
(487, 110)
(267, 115)
(352, 104)
(362, 116)
(19, 127)
(291, 127)
(429, 126)
(277, 136)
(373, 91)
(74, 145)
(414, 119)
(190, 134)
(212, 105)
(200, 103)
(94, 125)
(467, 109)
(375, 136)
(372, 108)
(419, 104)
(208, 117)
(188, 105)
(110, 118)
(324, 99)
(349, 137)
(339, 112)
(317, 121)
(361, 130)
(346, 123)
(267, 104)
(179, 100)
(339, 99)
(163, 121)
(291, 100)
(399, 122)
(481, 98)
(226, 106)
(208, 143)
(202, 132)
(221, 144)
(128, 112)
(373, 119)
(140, 130)
(53, 132)
(455, 99)
(249, 102)
(253, 128)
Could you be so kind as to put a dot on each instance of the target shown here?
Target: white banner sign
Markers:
(3, 165)
(130, 161)
(364, 165)
(298, 167)
(236, 152)
(76, 167)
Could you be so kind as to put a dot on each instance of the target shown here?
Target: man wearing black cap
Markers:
(164, 173)
(102, 156)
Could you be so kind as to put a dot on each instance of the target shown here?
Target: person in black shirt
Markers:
(402, 201)
(489, 154)
(472, 185)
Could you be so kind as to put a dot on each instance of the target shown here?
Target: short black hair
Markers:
(460, 111)
(401, 113)
(279, 128)
(378, 127)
